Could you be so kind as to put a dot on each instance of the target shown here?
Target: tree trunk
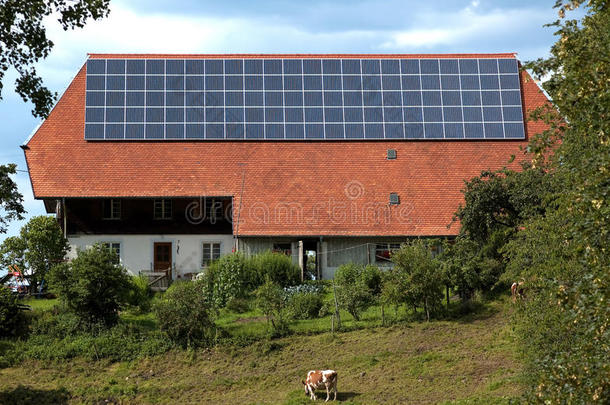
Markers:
(447, 291)
(427, 310)
(382, 316)
(336, 306)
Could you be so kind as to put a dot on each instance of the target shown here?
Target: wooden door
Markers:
(163, 257)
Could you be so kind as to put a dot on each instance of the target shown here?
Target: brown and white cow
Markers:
(318, 378)
(517, 290)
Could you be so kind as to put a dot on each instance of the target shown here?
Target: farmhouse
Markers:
(174, 160)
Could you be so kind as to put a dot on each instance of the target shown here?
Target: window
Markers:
(383, 251)
(285, 248)
(213, 209)
(163, 209)
(112, 209)
(115, 247)
(211, 252)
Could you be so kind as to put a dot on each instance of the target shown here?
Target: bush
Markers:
(11, 317)
(58, 324)
(304, 305)
(229, 277)
(357, 287)
(271, 300)
(92, 285)
(277, 267)
(184, 314)
(140, 294)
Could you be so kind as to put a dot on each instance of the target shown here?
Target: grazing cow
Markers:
(319, 378)
(517, 290)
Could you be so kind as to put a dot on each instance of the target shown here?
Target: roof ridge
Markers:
(303, 55)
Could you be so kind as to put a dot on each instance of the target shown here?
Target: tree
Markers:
(564, 325)
(496, 204)
(92, 285)
(12, 251)
(422, 275)
(11, 201)
(45, 246)
(23, 41)
(39, 246)
(358, 287)
(271, 300)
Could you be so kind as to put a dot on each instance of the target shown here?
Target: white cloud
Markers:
(463, 27)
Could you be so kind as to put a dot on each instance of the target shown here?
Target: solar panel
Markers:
(292, 99)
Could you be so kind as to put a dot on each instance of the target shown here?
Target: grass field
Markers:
(470, 361)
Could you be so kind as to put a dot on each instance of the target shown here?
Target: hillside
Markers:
(466, 361)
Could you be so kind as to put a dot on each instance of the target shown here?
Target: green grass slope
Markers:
(470, 361)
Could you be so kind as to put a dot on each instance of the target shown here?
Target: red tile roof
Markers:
(290, 188)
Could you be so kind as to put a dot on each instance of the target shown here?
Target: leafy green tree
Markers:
(496, 204)
(564, 324)
(421, 274)
(45, 247)
(11, 200)
(23, 41)
(92, 285)
(271, 301)
(358, 287)
(12, 251)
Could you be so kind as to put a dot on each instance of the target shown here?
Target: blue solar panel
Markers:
(427, 98)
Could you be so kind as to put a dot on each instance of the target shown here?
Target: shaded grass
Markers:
(438, 362)
(41, 304)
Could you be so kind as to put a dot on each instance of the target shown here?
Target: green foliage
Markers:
(39, 246)
(238, 305)
(92, 285)
(12, 251)
(305, 305)
(11, 317)
(24, 41)
(496, 203)
(140, 294)
(564, 324)
(11, 200)
(420, 276)
(185, 315)
(229, 277)
(236, 276)
(277, 266)
(357, 287)
(271, 301)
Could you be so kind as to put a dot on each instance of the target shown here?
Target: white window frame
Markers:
(166, 208)
(115, 209)
(205, 263)
(110, 244)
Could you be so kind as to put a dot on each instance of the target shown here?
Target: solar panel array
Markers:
(275, 99)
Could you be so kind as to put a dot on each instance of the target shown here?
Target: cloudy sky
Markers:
(273, 26)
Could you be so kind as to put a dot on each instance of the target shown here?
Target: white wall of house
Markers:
(136, 251)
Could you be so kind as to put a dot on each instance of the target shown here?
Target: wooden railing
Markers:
(158, 280)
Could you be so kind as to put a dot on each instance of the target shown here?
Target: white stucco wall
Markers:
(137, 250)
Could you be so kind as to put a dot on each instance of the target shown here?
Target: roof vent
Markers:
(391, 154)
(394, 199)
